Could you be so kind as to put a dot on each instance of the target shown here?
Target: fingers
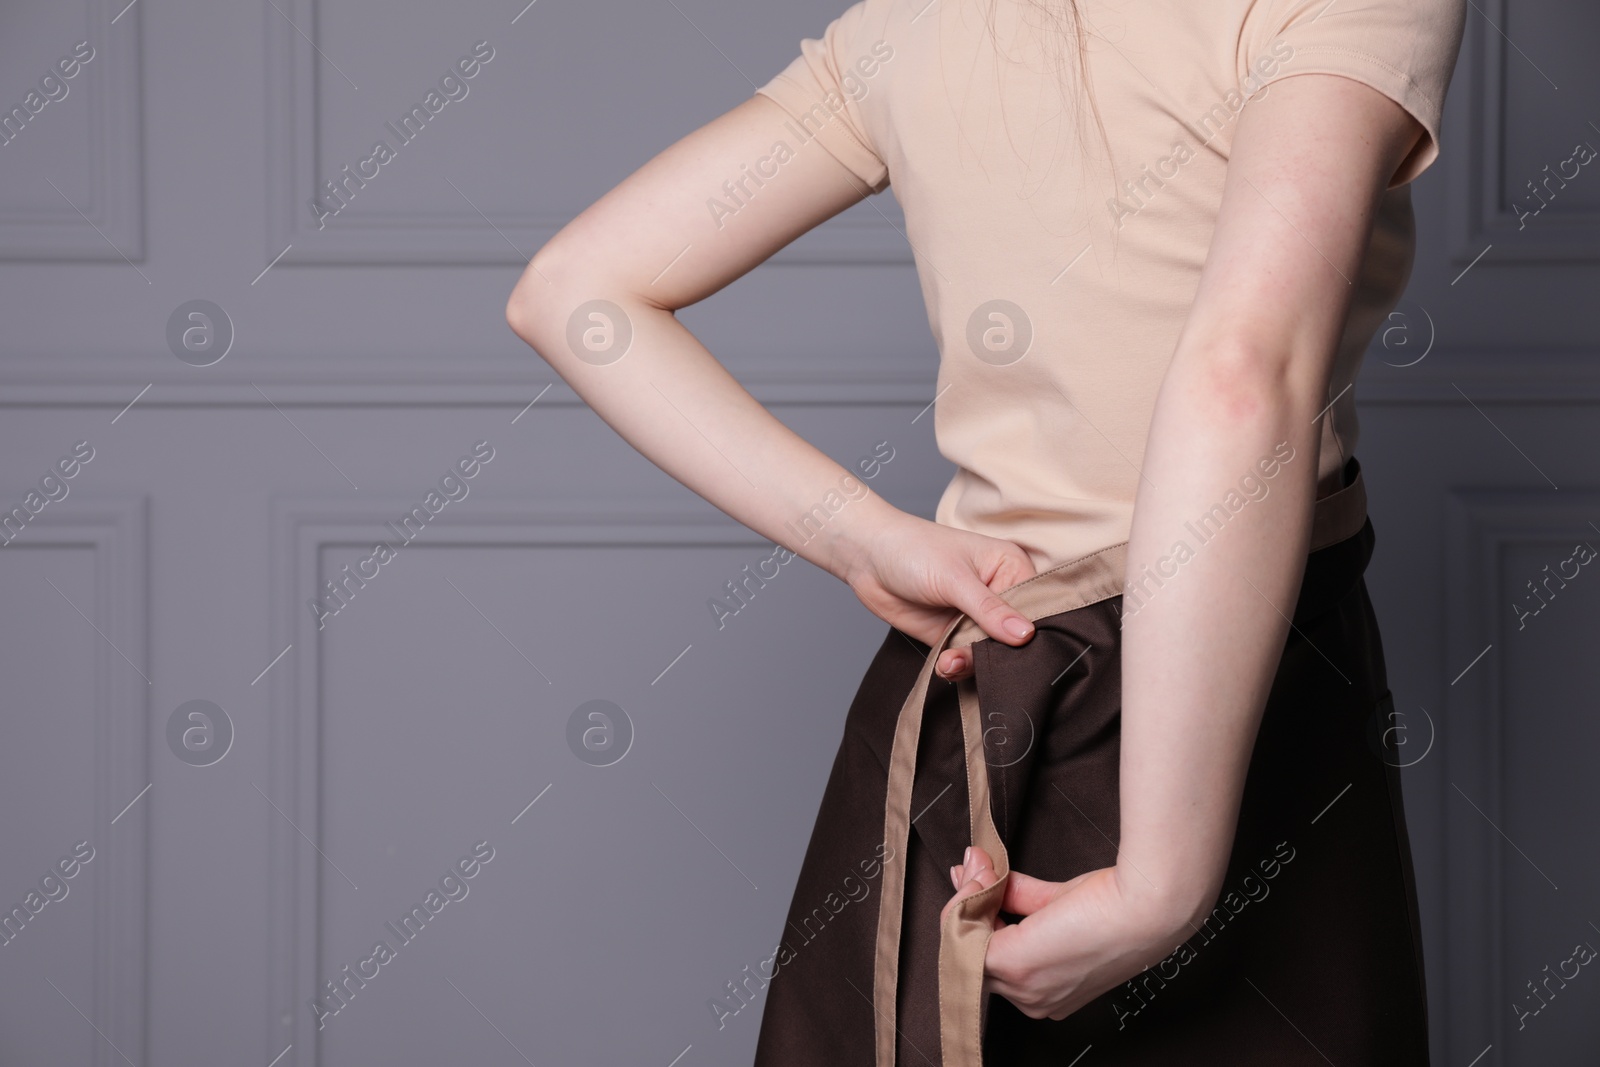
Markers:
(1026, 894)
(953, 663)
(1007, 965)
(975, 874)
(1001, 570)
(975, 867)
(966, 579)
(993, 615)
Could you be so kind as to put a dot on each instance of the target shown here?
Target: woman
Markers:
(1137, 816)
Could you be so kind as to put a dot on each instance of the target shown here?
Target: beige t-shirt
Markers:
(1055, 297)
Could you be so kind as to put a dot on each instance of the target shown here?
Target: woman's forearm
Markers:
(680, 408)
(648, 247)
(1252, 369)
(1215, 558)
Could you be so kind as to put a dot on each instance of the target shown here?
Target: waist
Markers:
(1087, 579)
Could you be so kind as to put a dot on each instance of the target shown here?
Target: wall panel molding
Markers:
(114, 530)
(114, 214)
(300, 529)
(456, 233)
(1481, 524)
(1444, 377)
(1477, 187)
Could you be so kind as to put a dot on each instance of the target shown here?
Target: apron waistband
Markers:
(964, 937)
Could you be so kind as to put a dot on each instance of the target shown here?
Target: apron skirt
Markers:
(1312, 953)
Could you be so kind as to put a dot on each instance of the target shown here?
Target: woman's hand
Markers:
(1077, 939)
(917, 576)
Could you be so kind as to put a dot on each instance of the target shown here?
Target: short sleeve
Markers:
(824, 88)
(1405, 49)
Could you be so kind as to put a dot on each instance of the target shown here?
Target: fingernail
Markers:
(1019, 627)
(966, 857)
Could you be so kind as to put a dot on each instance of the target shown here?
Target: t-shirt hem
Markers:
(834, 135)
(1374, 72)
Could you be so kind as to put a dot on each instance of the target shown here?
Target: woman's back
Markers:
(1059, 237)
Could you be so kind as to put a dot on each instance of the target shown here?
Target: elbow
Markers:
(1190, 912)
(518, 312)
(558, 284)
(1245, 384)
(525, 314)
(534, 300)
(1244, 381)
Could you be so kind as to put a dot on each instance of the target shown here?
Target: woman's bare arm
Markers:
(651, 246)
(1310, 160)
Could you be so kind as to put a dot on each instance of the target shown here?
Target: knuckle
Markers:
(1004, 972)
(991, 604)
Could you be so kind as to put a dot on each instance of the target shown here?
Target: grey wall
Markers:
(369, 354)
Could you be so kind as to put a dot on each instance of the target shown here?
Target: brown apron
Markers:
(964, 937)
(1313, 951)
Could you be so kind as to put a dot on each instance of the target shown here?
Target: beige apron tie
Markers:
(964, 936)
